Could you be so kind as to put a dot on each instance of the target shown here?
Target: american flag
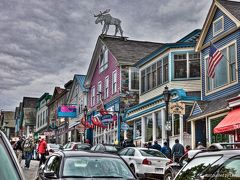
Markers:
(215, 57)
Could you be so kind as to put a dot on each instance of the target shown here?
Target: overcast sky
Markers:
(43, 43)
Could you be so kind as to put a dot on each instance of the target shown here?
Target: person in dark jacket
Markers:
(166, 150)
(19, 149)
(156, 145)
(177, 151)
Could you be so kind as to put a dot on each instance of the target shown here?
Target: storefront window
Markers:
(138, 130)
(216, 138)
(159, 125)
(176, 124)
(149, 129)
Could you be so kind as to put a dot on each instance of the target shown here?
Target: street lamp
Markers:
(166, 94)
(85, 110)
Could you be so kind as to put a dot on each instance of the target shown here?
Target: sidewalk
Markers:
(31, 173)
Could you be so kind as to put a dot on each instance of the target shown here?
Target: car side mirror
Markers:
(49, 174)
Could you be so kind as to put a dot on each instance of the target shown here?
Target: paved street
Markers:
(30, 173)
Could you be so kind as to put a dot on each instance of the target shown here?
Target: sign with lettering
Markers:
(177, 108)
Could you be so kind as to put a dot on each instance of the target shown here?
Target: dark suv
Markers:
(212, 164)
(9, 167)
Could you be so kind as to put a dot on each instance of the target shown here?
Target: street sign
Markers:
(124, 126)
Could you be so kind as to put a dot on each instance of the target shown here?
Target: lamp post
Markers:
(166, 94)
(85, 110)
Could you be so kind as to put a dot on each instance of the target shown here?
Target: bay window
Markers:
(134, 78)
(143, 81)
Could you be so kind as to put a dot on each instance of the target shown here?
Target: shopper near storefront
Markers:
(42, 151)
(166, 150)
(177, 151)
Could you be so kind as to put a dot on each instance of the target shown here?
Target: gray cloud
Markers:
(45, 42)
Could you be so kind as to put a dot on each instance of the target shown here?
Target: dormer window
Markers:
(103, 59)
(218, 26)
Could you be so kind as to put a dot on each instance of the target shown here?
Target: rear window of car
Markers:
(93, 167)
(7, 168)
(196, 166)
(151, 153)
(111, 148)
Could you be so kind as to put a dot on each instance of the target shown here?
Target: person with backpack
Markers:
(156, 145)
(28, 146)
(177, 151)
(166, 150)
(18, 148)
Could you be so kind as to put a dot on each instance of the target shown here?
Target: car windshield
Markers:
(196, 166)
(151, 153)
(102, 167)
(7, 169)
(83, 147)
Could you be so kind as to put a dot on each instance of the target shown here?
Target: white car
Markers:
(145, 162)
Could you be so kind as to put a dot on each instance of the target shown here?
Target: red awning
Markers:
(230, 123)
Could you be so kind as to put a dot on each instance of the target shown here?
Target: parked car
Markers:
(110, 148)
(145, 162)
(76, 146)
(85, 165)
(9, 166)
(173, 168)
(212, 164)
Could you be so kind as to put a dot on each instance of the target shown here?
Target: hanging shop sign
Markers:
(107, 118)
(67, 111)
(124, 126)
(177, 108)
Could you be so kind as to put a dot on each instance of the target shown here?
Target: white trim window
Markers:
(99, 91)
(114, 82)
(103, 59)
(218, 26)
(225, 72)
(93, 96)
(106, 87)
(133, 78)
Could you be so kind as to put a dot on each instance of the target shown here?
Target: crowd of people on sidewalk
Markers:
(177, 150)
(26, 148)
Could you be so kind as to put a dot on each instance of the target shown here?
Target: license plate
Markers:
(158, 170)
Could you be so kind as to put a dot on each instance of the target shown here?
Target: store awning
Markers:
(73, 124)
(229, 124)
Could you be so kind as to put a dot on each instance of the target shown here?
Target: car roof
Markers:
(225, 152)
(85, 153)
(141, 148)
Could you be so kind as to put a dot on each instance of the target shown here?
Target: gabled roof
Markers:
(30, 102)
(129, 51)
(230, 8)
(187, 41)
(220, 104)
(81, 79)
(125, 52)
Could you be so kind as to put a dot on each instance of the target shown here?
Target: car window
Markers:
(151, 153)
(230, 170)
(96, 167)
(130, 152)
(196, 166)
(123, 152)
(99, 148)
(7, 168)
(82, 147)
(93, 148)
(55, 165)
(49, 163)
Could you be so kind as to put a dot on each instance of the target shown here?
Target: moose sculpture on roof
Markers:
(108, 20)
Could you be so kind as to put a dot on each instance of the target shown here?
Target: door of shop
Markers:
(200, 129)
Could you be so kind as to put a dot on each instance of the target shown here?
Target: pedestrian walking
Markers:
(18, 148)
(42, 146)
(177, 151)
(166, 150)
(28, 146)
(156, 145)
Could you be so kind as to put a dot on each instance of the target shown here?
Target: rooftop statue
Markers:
(108, 20)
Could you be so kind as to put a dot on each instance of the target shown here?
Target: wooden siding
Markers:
(97, 76)
(228, 24)
(188, 85)
(205, 52)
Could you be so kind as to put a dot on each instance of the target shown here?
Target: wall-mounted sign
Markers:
(124, 126)
(67, 111)
(177, 108)
(107, 118)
